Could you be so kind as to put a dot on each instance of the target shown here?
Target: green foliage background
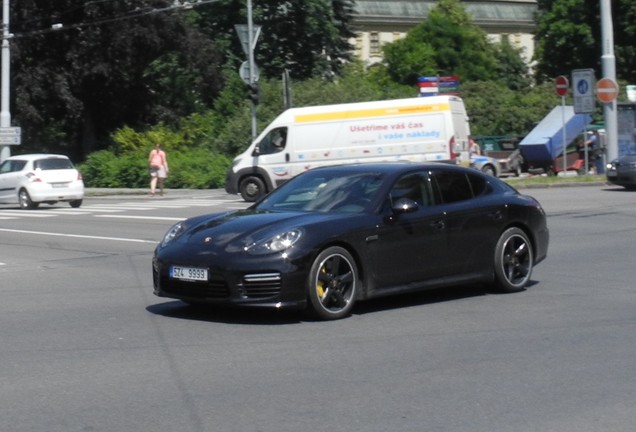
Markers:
(106, 94)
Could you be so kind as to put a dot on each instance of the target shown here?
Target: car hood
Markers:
(627, 159)
(233, 231)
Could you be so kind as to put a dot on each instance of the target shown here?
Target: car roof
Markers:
(392, 167)
(36, 156)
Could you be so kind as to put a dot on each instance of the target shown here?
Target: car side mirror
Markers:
(257, 151)
(405, 205)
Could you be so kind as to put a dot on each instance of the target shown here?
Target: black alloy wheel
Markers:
(333, 283)
(514, 260)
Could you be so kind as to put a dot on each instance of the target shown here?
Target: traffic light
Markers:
(252, 90)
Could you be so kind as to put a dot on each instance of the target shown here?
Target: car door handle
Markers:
(496, 215)
(438, 225)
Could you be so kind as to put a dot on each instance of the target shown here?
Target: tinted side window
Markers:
(415, 187)
(453, 186)
(479, 185)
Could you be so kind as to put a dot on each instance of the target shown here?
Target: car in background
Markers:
(32, 179)
(485, 164)
(622, 171)
(335, 235)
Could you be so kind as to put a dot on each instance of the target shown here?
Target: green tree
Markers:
(567, 37)
(495, 109)
(511, 67)
(109, 66)
(306, 37)
(447, 43)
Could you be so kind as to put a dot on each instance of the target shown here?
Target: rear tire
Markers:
(514, 260)
(332, 284)
(24, 199)
(489, 170)
(75, 203)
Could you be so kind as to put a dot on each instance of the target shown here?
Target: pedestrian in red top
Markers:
(158, 164)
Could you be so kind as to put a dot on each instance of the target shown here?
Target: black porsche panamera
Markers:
(340, 234)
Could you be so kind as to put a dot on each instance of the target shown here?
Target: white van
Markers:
(419, 129)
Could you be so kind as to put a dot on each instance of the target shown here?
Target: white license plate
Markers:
(59, 185)
(189, 273)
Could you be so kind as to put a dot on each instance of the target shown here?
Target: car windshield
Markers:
(52, 164)
(325, 191)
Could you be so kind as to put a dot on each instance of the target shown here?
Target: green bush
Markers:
(189, 169)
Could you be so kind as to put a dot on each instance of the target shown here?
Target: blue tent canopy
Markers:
(545, 142)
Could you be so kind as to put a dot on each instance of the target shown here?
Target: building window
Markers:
(374, 43)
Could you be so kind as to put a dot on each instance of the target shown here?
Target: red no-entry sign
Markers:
(606, 90)
(562, 85)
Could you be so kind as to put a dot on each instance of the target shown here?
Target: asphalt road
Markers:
(85, 346)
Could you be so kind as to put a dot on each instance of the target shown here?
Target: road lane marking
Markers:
(142, 217)
(22, 213)
(78, 236)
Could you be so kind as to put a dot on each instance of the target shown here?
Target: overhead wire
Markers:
(135, 13)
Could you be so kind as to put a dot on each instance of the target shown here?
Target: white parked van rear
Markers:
(418, 129)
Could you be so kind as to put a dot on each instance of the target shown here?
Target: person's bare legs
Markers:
(153, 185)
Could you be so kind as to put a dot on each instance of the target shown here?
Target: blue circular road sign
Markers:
(583, 87)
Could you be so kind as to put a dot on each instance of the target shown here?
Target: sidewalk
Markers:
(145, 193)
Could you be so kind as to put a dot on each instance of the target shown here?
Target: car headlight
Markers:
(175, 231)
(277, 243)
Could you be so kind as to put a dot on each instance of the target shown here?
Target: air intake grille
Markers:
(262, 285)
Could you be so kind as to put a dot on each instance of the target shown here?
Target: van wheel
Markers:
(252, 189)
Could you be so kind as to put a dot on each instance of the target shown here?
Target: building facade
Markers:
(379, 22)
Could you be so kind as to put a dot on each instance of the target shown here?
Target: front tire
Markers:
(24, 199)
(514, 261)
(252, 189)
(332, 284)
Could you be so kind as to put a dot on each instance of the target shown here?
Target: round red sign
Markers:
(606, 90)
(562, 85)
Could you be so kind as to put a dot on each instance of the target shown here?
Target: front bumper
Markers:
(622, 176)
(277, 285)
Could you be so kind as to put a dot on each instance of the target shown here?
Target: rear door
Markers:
(474, 219)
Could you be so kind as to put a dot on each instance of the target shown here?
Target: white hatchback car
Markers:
(31, 179)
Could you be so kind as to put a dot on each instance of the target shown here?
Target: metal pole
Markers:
(608, 62)
(250, 44)
(5, 114)
(565, 144)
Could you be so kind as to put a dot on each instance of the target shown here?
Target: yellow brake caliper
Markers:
(320, 285)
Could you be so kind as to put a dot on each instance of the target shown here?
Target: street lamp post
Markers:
(250, 59)
(5, 114)
(608, 62)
